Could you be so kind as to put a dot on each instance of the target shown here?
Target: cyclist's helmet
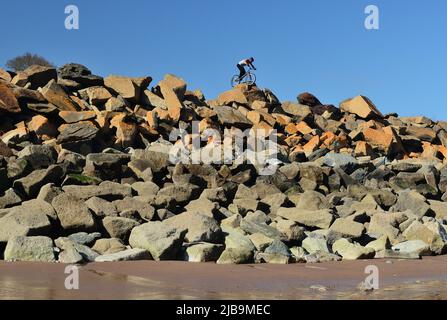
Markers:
(252, 59)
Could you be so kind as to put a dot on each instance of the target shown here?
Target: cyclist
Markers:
(242, 64)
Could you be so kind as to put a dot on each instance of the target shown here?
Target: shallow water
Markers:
(398, 279)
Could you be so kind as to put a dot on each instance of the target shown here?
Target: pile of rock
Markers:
(85, 175)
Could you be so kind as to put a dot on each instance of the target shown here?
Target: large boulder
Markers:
(20, 221)
(162, 241)
(107, 190)
(238, 249)
(201, 228)
(352, 251)
(128, 88)
(119, 227)
(361, 106)
(56, 95)
(80, 74)
(202, 252)
(30, 249)
(31, 184)
(8, 101)
(311, 218)
(37, 76)
(126, 255)
(108, 246)
(308, 99)
(73, 213)
(231, 117)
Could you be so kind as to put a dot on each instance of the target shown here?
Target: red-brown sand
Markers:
(398, 279)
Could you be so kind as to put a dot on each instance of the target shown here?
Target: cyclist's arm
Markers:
(251, 65)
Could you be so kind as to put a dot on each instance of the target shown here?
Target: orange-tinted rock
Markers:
(173, 90)
(291, 128)
(312, 145)
(42, 126)
(304, 128)
(4, 75)
(126, 87)
(230, 96)
(281, 119)
(57, 96)
(257, 105)
(443, 151)
(8, 101)
(125, 130)
(38, 76)
(19, 134)
(429, 151)
(361, 106)
(328, 138)
(378, 138)
(97, 95)
(363, 149)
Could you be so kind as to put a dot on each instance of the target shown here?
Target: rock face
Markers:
(93, 164)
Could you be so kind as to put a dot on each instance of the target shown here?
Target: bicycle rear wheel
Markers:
(250, 78)
(235, 80)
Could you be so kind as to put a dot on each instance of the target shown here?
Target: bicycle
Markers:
(248, 78)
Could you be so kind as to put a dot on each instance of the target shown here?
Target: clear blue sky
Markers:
(320, 46)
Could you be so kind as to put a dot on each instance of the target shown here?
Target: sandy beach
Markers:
(399, 279)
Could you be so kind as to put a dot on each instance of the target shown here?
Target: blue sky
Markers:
(320, 46)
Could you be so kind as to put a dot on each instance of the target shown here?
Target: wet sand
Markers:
(398, 279)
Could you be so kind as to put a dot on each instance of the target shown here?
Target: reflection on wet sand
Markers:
(421, 279)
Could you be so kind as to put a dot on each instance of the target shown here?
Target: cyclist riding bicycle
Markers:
(244, 63)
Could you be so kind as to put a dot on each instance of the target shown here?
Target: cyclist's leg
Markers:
(242, 71)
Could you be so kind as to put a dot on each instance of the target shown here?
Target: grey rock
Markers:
(180, 193)
(251, 227)
(418, 247)
(163, 242)
(202, 252)
(200, 228)
(106, 246)
(102, 208)
(38, 156)
(31, 184)
(19, 222)
(228, 116)
(9, 199)
(118, 227)
(317, 219)
(23, 248)
(84, 238)
(127, 255)
(73, 213)
(343, 161)
(144, 210)
(106, 190)
(48, 192)
(413, 201)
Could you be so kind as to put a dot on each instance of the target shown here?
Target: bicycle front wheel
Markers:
(235, 80)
